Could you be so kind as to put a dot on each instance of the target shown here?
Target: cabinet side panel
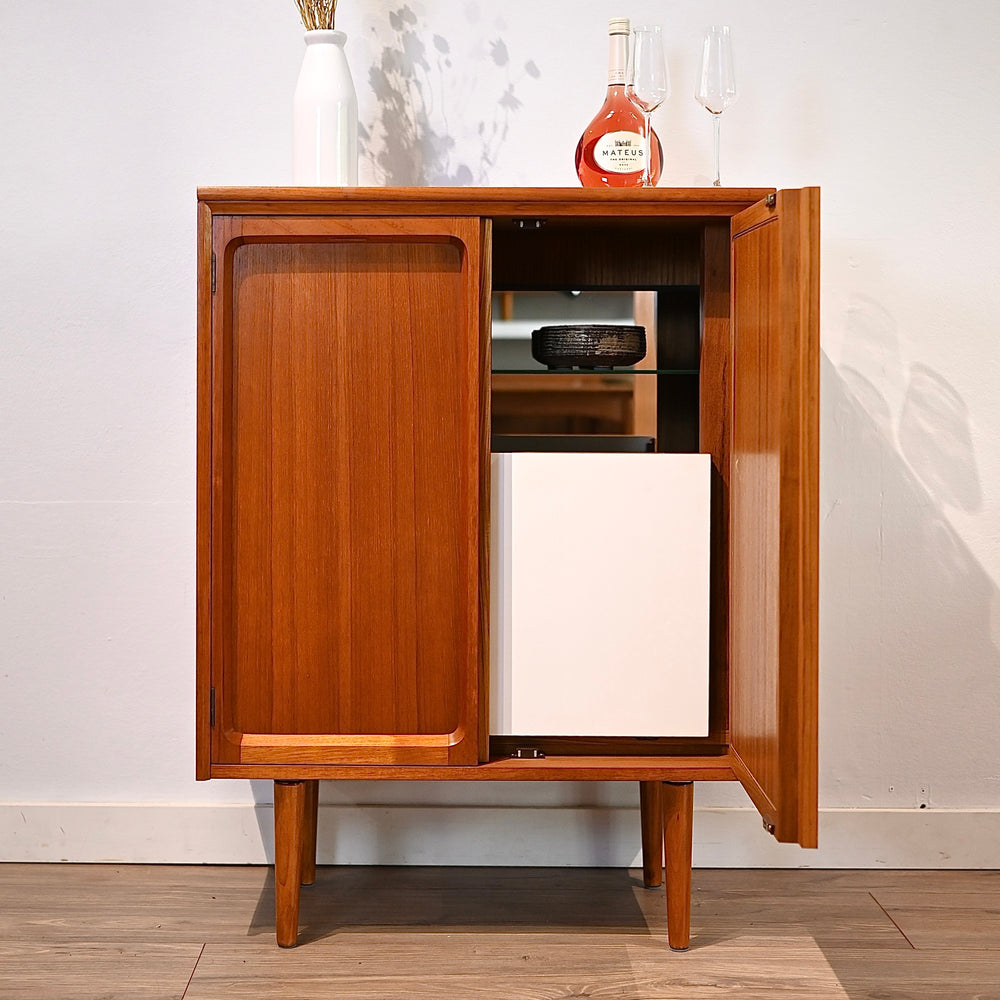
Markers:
(354, 484)
(203, 630)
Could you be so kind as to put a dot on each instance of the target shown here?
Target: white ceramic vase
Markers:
(325, 115)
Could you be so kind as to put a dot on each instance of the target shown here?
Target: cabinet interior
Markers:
(680, 268)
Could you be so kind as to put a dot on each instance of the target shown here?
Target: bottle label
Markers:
(620, 152)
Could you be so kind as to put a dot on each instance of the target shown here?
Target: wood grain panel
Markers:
(715, 402)
(497, 203)
(386, 766)
(756, 510)
(351, 474)
(217, 533)
(774, 502)
(595, 253)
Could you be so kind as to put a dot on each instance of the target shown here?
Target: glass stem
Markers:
(647, 174)
(716, 122)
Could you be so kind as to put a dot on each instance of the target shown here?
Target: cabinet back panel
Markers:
(595, 253)
(351, 461)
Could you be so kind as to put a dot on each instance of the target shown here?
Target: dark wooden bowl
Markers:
(588, 345)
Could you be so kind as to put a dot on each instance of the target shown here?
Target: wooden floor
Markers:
(74, 932)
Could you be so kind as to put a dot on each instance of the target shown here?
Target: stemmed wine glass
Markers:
(717, 84)
(648, 84)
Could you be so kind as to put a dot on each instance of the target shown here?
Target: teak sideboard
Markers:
(344, 381)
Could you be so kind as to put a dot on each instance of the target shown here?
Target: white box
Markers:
(599, 595)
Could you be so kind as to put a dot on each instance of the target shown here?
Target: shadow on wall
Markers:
(932, 429)
(421, 101)
(911, 669)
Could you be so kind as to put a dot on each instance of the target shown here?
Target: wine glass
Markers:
(648, 84)
(717, 84)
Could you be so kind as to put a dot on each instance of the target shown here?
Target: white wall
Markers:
(111, 114)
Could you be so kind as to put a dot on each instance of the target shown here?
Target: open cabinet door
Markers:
(774, 499)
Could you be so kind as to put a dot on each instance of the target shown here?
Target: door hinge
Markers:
(528, 753)
(213, 273)
(771, 200)
(769, 826)
(211, 708)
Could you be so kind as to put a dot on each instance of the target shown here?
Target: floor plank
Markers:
(129, 903)
(944, 919)
(101, 971)
(916, 975)
(845, 880)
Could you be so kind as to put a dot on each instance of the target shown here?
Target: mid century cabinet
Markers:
(344, 491)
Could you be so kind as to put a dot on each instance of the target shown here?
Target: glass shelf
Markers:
(595, 371)
(589, 443)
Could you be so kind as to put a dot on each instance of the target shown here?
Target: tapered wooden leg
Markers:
(678, 808)
(651, 819)
(289, 820)
(311, 810)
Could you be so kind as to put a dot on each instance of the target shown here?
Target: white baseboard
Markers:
(131, 833)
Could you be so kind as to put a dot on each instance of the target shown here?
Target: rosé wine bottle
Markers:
(612, 149)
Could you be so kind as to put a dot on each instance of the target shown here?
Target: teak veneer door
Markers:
(774, 510)
(348, 464)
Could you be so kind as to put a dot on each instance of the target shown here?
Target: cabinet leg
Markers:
(678, 807)
(289, 820)
(651, 819)
(311, 814)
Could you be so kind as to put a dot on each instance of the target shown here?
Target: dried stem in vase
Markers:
(317, 15)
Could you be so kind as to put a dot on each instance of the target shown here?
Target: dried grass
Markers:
(317, 14)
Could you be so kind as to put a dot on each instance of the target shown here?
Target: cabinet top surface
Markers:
(708, 201)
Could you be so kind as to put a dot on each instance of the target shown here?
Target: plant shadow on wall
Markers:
(912, 613)
(425, 106)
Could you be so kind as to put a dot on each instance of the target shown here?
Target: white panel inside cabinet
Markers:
(600, 595)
